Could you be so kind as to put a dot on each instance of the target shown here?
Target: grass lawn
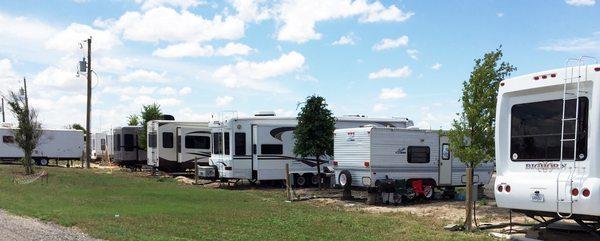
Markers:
(153, 209)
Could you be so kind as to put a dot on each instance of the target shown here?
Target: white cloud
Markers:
(58, 77)
(8, 77)
(392, 93)
(231, 49)
(183, 4)
(185, 91)
(68, 40)
(141, 75)
(252, 10)
(299, 17)
(167, 91)
(389, 73)
(387, 43)
(436, 66)
(223, 101)
(581, 2)
(582, 44)
(128, 91)
(250, 74)
(412, 53)
(166, 24)
(380, 107)
(184, 50)
(500, 15)
(344, 40)
(110, 65)
(146, 100)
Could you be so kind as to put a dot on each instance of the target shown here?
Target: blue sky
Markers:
(197, 58)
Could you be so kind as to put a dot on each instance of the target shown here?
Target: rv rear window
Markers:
(218, 143)
(535, 133)
(152, 140)
(117, 142)
(418, 154)
(8, 139)
(240, 144)
(197, 142)
(128, 142)
(271, 149)
(226, 143)
(167, 139)
(102, 144)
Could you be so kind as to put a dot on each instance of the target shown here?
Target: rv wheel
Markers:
(300, 181)
(345, 179)
(428, 192)
(314, 179)
(43, 162)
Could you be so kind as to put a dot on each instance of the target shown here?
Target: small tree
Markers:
(472, 134)
(76, 126)
(314, 133)
(133, 120)
(149, 112)
(28, 133)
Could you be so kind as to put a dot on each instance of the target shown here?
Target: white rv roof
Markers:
(554, 77)
(43, 129)
(371, 127)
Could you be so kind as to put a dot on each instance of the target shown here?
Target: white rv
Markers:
(546, 143)
(99, 145)
(257, 148)
(127, 151)
(53, 144)
(405, 163)
(175, 145)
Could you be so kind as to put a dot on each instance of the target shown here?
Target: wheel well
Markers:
(426, 181)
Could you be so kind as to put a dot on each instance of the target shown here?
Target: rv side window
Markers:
(8, 139)
(535, 130)
(102, 144)
(217, 147)
(240, 144)
(152, 140)
(118, 142)
(128, 142)
(271, 149)
(167, 139)
(445, 151)
(418, 154)
(226, 139)
(197, 142)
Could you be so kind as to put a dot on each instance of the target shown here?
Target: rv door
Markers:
(192, 144)
(445, 163)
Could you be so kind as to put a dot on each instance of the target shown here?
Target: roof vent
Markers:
(265, 113)
(357, 116)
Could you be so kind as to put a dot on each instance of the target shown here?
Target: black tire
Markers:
(345, 179)
(300, 180)
(43, 161)
(313, 179)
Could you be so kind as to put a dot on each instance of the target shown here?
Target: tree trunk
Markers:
(28, 164)
(469, 199)
(319, 170)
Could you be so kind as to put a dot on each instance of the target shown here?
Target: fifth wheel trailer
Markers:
(127, 151)
(547, 143)
(258, 147)
(53, 144)
(176, 145)
(399, 163)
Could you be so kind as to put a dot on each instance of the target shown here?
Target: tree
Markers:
(133, 120)
(472, 134)
(149, 112)
(76, 126)
(314, 133)
(28, 133)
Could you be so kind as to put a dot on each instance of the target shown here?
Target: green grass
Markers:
(149, 209)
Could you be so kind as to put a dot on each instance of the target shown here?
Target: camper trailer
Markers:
(176, 145)
(546, 143)
(126, 148)
(53, 144)
(259, 147)
(399, 163)
(99, 144)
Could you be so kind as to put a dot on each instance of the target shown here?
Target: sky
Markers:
(200, 58)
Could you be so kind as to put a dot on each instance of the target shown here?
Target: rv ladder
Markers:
(575, 73)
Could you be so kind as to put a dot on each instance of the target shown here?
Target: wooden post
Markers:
(469, 200)
(287, 182)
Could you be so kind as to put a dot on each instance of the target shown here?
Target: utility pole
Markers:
(3, 120)
(26, 97)
(88, 120)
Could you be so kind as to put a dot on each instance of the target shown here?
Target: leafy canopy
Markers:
(149, 112)
(472, 134)
(133, 120)
(76, 126)
(314, 133)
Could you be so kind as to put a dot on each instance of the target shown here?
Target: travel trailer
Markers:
(546, 141)
(53, 144)
(175, 145)
(399, 163)
(99, 146)
(126, 148)
(258, 147)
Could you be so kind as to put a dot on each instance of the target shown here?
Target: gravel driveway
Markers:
(19, 228)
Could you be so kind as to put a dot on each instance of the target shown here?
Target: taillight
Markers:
(500, 188)
(367, 164)
(597, 69)
(575, 192)
(335, 163)
(586, 192)
(507, 188)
